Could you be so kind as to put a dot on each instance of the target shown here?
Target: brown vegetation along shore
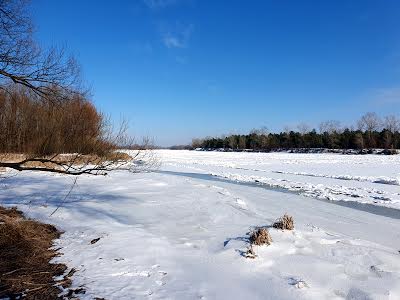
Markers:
(59, 163)
(25, 254)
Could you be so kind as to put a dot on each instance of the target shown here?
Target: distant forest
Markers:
(371, 132)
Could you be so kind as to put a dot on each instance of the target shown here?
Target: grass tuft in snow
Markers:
(285, 222)
(260, 237)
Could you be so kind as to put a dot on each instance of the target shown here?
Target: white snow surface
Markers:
(180, 232)
(370, 179)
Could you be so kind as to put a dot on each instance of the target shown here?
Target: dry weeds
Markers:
(260, 237)
(25, 270)
(285, 222)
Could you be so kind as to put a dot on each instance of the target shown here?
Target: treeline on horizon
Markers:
(371, 132)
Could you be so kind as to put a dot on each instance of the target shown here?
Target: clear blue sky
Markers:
(179, 69)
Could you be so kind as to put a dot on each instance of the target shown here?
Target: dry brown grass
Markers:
(260, 237)
(285, 222)
(65, 159)
(11, 157)
(24, 258)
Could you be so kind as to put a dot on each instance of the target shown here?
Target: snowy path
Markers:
(166, 236)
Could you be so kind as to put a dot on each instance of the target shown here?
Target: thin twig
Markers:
(66, 196)
(13, 271)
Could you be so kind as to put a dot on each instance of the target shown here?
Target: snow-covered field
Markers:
(370, 179)
(180, 232)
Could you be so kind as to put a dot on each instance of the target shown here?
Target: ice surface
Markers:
(172, 235)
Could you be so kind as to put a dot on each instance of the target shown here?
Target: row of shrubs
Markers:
(39, 125)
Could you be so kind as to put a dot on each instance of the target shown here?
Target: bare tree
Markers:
(263, 130)
(369, 122)
(303, 128)
(359, 140)
(331, 126)
(23, 62)
(242, 142)
(232, 142)
(52, 78)
(287, 129)
(392, 123)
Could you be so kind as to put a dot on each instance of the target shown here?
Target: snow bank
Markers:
(177, 236)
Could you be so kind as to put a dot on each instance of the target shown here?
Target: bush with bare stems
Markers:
(285, 222)
(260, 237)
